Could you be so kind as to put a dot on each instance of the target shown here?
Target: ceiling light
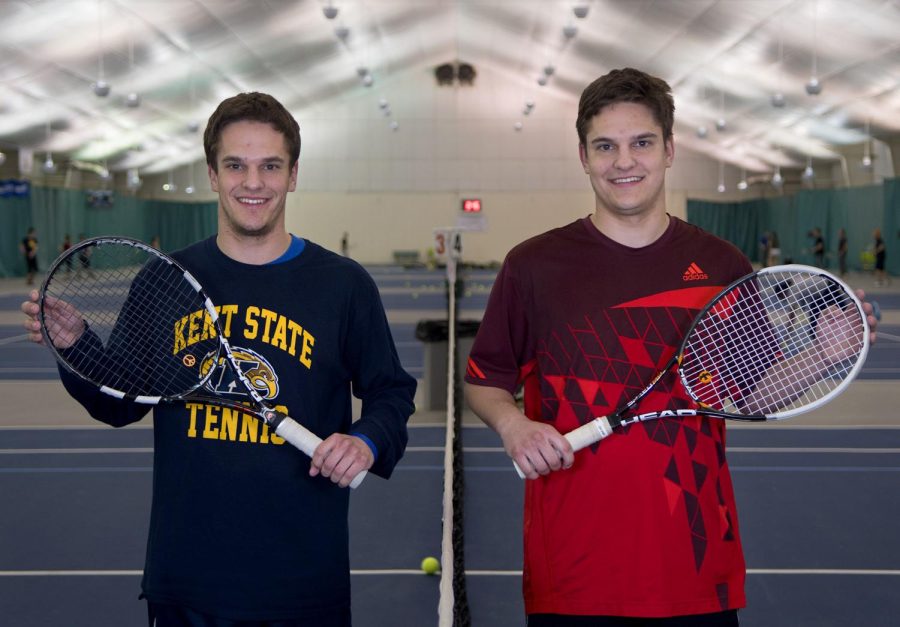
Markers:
(809, 174)
(48, 167)
(542, 81)
(132, 179)
(394, 125)
(777, 179)
(342, 33)
(2, 158)
(778, 100)
(702, 132)
(866, 163)
(133, 100)
(383, 103)
(569, 31)
(367, 80)
(742, 184)
(580, 11)
(720, 122)
(193, 126)
(721, 186)
(101, 88)
(549, 70)
(330, 12)
(517, 126)
(813, 87)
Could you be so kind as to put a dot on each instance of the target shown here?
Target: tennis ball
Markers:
(430, 565)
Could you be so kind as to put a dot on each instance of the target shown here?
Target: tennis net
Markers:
(453, 609)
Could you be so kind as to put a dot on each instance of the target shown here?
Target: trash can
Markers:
(434, 334)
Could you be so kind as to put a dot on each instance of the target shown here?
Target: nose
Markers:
(624, 159)
(253, 180)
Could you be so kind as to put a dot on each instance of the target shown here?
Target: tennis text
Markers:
(212, 422)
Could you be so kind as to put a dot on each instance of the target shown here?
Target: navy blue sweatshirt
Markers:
(238, 529)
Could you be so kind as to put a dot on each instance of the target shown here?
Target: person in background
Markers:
(66, 245)
(878, 248)
(29, 249)
(818, 249)
(842, 251)
(774, 250)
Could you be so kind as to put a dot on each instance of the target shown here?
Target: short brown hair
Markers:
(627, 85)
(253, 107)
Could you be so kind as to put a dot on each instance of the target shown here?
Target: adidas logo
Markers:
(694, 273)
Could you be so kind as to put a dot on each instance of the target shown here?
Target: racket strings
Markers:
(783, 339)
(132, 305)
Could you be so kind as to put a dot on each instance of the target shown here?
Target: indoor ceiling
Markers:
(169, 62)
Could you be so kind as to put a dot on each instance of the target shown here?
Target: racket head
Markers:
(148, 332)
(781, 315)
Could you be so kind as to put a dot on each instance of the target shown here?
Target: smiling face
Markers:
(626, 157)
(253, 176)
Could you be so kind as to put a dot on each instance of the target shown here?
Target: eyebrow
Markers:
(638, 137)
(264, 160)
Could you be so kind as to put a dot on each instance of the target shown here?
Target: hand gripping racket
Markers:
(773, 344)
(117, 327)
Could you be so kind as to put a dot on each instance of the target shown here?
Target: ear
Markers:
(213, 178)
(670, 151)
(293, 181)
(582, 155)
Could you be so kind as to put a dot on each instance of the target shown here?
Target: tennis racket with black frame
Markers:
(118, 328)
(776, 343)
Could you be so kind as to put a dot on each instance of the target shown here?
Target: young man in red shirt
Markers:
(642, 528)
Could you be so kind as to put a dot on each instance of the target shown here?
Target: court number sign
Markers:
(448, 243)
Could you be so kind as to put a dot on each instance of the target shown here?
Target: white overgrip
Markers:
(589, 433)
(582, 437)
(307, 441)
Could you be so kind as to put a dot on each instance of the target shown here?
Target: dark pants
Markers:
(719, 619)
(161, 615)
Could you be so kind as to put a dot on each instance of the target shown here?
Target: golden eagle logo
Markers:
(256, 368)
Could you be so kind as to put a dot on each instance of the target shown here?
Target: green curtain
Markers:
(858, 210)
(55, 213)
(15, 218)
(740, 223)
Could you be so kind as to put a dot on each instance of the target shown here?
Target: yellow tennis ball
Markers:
(430, 565)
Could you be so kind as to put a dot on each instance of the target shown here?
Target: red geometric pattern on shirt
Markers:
(593, 367)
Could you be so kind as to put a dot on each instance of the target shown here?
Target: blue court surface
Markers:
(818, 500)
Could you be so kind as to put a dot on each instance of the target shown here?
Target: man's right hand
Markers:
(64, 322)
(536, 447)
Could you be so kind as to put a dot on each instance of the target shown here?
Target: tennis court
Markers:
(817, 496)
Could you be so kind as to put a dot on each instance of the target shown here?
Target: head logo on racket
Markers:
(189, 361)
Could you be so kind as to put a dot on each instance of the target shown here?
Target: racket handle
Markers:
(307, 441)
(589, 433)
(583, 436)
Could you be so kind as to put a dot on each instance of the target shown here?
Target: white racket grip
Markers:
(589, 433)
(582, 437)
(307, 441)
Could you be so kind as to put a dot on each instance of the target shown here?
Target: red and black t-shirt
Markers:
(644, 523)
